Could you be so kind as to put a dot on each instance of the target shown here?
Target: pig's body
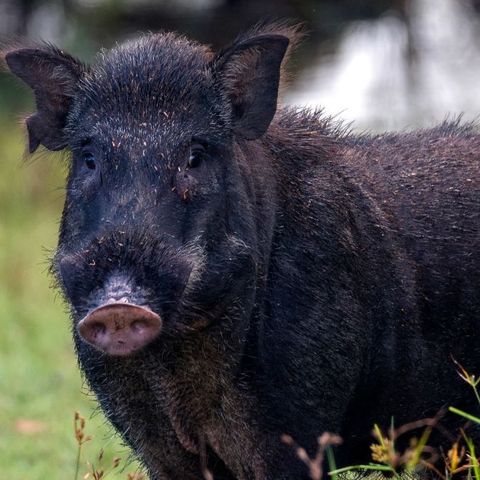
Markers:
(370, 292)
(305, 280)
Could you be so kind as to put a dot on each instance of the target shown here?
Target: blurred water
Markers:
(389, 73)
(411, 67)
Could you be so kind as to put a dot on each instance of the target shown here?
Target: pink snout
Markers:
(120, 329)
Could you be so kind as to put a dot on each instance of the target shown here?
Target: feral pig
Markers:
(238, 271)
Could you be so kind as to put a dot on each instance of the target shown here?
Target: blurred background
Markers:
(382, 64)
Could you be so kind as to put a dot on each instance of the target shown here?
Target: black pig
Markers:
(237, 272)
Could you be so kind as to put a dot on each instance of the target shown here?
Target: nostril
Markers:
(120, 328)
(138, 326)
(98, 328)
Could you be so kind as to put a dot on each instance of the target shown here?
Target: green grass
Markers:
(40, 385)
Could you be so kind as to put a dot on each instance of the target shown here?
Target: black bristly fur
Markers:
(307, 279)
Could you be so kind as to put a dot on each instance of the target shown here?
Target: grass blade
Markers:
(466, 415)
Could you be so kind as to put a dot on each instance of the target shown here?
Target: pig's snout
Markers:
(120, 329)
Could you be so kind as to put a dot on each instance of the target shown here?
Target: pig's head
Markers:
(160, 233)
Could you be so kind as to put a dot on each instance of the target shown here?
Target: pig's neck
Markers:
(205, 388)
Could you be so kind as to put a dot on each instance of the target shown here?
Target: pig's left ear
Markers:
(53, 76)
(248, 74)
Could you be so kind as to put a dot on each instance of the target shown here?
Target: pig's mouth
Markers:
(127, 290)
(120, 329)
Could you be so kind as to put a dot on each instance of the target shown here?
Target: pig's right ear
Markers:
(53, 76)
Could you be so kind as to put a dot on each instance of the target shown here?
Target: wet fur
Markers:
(339, 273)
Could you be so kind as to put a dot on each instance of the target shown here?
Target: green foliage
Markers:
(40, 385)
(472, 464)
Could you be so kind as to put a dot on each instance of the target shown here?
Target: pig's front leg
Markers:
(136, 413)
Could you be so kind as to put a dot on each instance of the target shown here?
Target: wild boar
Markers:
(237, 271)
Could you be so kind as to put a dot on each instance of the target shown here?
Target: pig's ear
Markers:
(53, 76)
(248, 74)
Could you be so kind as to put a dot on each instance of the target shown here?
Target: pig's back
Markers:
(428, 184)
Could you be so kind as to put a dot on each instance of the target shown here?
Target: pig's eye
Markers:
(197, 154)
(89, 160)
